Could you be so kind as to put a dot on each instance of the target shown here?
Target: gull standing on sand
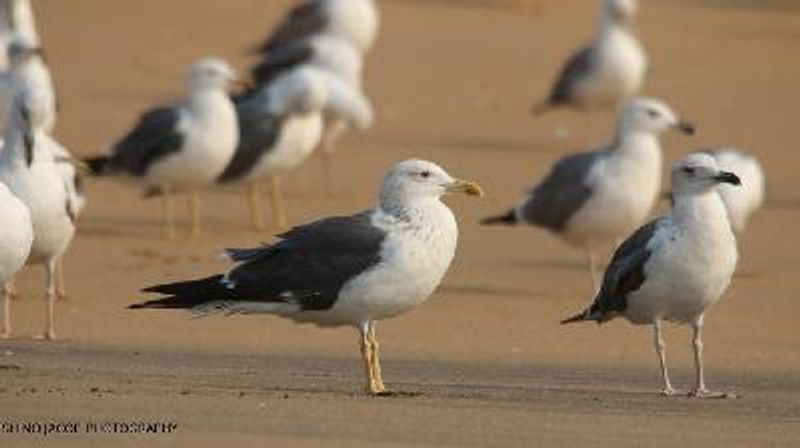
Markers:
(606, 72)
(280, 124)
(16, 237)
(331, 35)
(598, 197)
(741, 202)
(676, 267)
(181, 148)
(29, 168)
(343, 271)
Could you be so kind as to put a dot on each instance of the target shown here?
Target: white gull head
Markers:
(418, 181)
(650, 116)
(210, 73)
(698, 173)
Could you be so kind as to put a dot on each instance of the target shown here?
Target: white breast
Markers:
(690, 268)
(16, 234)
(298, 138)
(209, 125)
(416, 256)
(42, 188)
(620, 65)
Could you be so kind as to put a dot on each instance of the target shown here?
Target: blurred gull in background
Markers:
(280, 125)
(334, 36)
(183, 147)
(609, 70)
(598, 197)
(29, 166)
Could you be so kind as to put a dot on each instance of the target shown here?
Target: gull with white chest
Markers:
(343, 271)
(676, 267)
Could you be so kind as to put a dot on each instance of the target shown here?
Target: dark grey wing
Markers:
(155, 136)
(553, 201)
(258, 131)
(574, 71)
(307, 267)
(302, 22)
(280, 59)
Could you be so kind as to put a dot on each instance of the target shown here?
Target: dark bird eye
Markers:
(425, 174)
(688, 170)
(652, 113)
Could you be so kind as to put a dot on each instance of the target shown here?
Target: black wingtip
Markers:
(98, 166)
(580, 317)
(509, 218)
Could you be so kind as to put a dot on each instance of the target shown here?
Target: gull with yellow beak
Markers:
(343, 271)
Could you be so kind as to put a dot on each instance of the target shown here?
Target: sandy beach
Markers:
(484, 363)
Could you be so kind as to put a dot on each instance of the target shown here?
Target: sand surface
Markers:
(484, 363)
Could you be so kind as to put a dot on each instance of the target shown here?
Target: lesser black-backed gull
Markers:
(280, 125)
(676, 267)
(183, 147)
(345, 271)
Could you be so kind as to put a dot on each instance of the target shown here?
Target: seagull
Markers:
(599, 196)
(16, 237)
(356, 21)
(343, 271)
(28, 71)
(280, 125)
(16, 19)
(29, 168)
(183, 147)
(332, 35)
(608, 70)
(676, 267)
(741, 202)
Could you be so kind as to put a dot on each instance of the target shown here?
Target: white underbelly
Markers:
(298, 139)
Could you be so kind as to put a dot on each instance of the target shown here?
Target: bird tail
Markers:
(508, 219)
(580, 317)
(98, 166)
(191, 294)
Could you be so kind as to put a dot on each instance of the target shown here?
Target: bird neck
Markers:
(201, 100)
(612, 26)
(703, 212)
(627, 141)
(410, 211)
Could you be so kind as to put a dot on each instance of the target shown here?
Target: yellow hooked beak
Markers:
(464, 186)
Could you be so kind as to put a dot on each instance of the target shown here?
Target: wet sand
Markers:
(484, 363)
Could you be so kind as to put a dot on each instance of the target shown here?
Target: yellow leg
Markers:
(194, 213)
(366, 357)
(375, 360)
(276, 199)
(168, 212)
(6, 332)
(254, 202)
